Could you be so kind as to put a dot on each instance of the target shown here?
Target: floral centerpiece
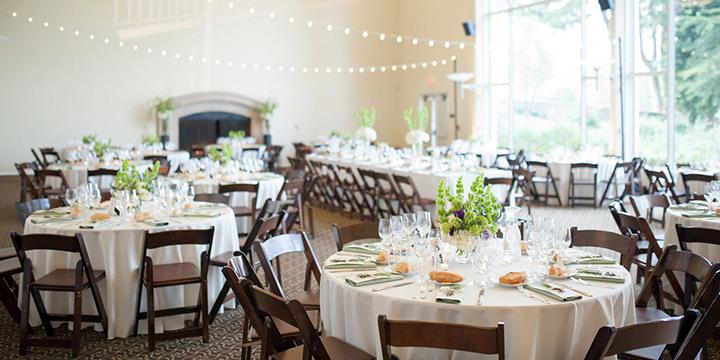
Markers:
(223, 153)
(464, 217)
(149, 140)
(163, 111)
(267, 109)
(237, 135)
(129, 179)
(89, 139)
(102, 149)
(417, 125)
(366, 121)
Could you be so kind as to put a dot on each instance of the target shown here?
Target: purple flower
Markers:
(460, 213)
(452, 231)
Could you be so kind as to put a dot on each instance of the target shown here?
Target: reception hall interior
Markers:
(360, 179)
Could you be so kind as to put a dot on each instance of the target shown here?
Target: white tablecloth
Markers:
(117, 250)
(425, 180)
(533, 330)
(710, 252)
(175, 157)
(76, 174)
(269, 185)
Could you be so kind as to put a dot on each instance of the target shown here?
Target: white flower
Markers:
(416, 137)
(366, 133)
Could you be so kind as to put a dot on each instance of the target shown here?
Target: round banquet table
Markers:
(77, 174)
(533, 330)
(675, 216)
(117, 249)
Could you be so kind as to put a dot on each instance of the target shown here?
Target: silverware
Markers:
(579, 291)
(531, 295)
(481, 293)
(587, 284)
(579, 280)
(381, 288)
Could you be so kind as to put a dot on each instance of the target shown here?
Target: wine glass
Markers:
(71, 197)
(397, 228)
(190, 194)
(423, 222)
(709, 194)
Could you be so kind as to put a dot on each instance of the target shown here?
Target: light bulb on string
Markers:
(365, 34)
(382, 36)
(291, 19)
(347, 31)
(447, 45)
(415, 41)
(309, 24)
(45, 24)
(399, 39)
(461, 46)
(431, 43)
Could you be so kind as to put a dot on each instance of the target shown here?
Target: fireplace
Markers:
(204, 128)
(201, 117)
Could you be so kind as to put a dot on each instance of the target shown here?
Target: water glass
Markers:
(423, 222)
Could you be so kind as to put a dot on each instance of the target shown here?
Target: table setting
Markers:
(460, 270)
(114, 231)
(696, 213)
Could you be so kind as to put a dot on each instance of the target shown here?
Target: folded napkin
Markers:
(201, 215)
(593, 260)
(701, 215)
(553, 292)
(372, 249)
(350, 262)
(450, 294)
(52, 212)
(95, 225)
(364, 279)
(600, 275)
(693, 205)
(153, 222)
(51, 220)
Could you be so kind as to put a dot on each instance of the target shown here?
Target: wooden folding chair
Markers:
(242, 212)
(623, 174)
(28, 186)
(75, 281)
(544, 176)
(409, 195)
(577, 181)
(644, 206)
(476, 339)
(624, 245)
(689, 178)
(661, 184)
(350, 233)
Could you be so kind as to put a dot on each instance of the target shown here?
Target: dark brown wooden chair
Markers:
(354, 232)
(625, 245)
(622, 175)
(475, 339)
(242, 212)
(271, 249)
(665, 333)
(28, 185)
(661, 184)
(26, 209)
(292, 197)
(522, 179)
(49, 156)
(214, 198)
(45, 190)
(76, 280)
(689, 235)
(369, 190)
(544, 176)
(696, 342)
(644, 206)
(38, 159)
(327, 192)
(501, 182)
(9, 289)
(350, 190)
(410, 198)
(689, 178)
(154, 276)
(271, 156)
(648, 247)
(387, 194)
(263, 229)
(577, 181)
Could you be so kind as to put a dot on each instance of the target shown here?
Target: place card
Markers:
(450, 294)
(372, 278)
(605, 275)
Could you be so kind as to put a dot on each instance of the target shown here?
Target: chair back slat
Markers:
(276, 246)
(31, 242)
(214, 198)
(282, 244)
(179, 237)
(350, 233)
(244, 268)
(263, 229)
(241, 187)
(101, 172)
(625, 245)
(483, 340)
(706, 326)
(688, 235)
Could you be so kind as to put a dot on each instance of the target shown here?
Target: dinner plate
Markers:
(448, 284)
(511, 285)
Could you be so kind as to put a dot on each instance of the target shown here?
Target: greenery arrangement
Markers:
(101, 148)
(267, 108)
(149, 140)
(163, 105)
(129, 178)
(89, 139)
(340, 134)
(222, 153)
(366, 117)
(419, 121)
(236, 134)
(470, 214)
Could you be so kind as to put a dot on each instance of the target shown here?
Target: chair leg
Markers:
(24, 313)
(219, 301)
(204, 312)
(40, 305)
(151, 317)
(9, 299)
(137, 304)
(77, 324)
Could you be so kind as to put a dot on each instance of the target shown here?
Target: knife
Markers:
(381, 288)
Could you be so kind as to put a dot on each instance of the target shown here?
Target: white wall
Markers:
(55, 86)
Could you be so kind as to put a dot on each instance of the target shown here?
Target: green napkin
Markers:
(51, 220)
(95, 225)
(350, 262)
(52, 212)
(152, 222)
(691, 206)
(201, 215)
(364, 279)
(600, 275)
(700, 216)
(593, 260)
(553, 292)
(372, 249)
(451, 294)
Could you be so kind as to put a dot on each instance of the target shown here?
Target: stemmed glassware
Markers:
(386, 237)
(71, 196)
(423, 222)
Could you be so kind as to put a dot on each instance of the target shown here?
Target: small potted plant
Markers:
(163, 112)
(267, 108)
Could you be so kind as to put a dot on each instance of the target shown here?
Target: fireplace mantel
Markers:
(207, 101)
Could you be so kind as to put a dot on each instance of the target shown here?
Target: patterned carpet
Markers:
(225, 333)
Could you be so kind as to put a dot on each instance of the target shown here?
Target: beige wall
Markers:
(55, 86)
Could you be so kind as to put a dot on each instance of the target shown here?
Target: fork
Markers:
(532, 296)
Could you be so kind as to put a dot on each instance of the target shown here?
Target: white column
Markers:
(671, 83)
(511, 93)
(583, 72)
(483, 100)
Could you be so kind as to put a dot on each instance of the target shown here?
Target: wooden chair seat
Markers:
(309, 298)
(222, 259)
(64, 280)
(647, 314)
(336, 348)
(287, 330)
(9, 288)
(175, 274)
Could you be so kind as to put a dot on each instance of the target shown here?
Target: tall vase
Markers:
(417, 150)
(463, 244)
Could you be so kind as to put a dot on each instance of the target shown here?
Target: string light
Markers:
(328, 70)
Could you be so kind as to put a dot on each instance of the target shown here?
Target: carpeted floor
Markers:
(225, 333)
